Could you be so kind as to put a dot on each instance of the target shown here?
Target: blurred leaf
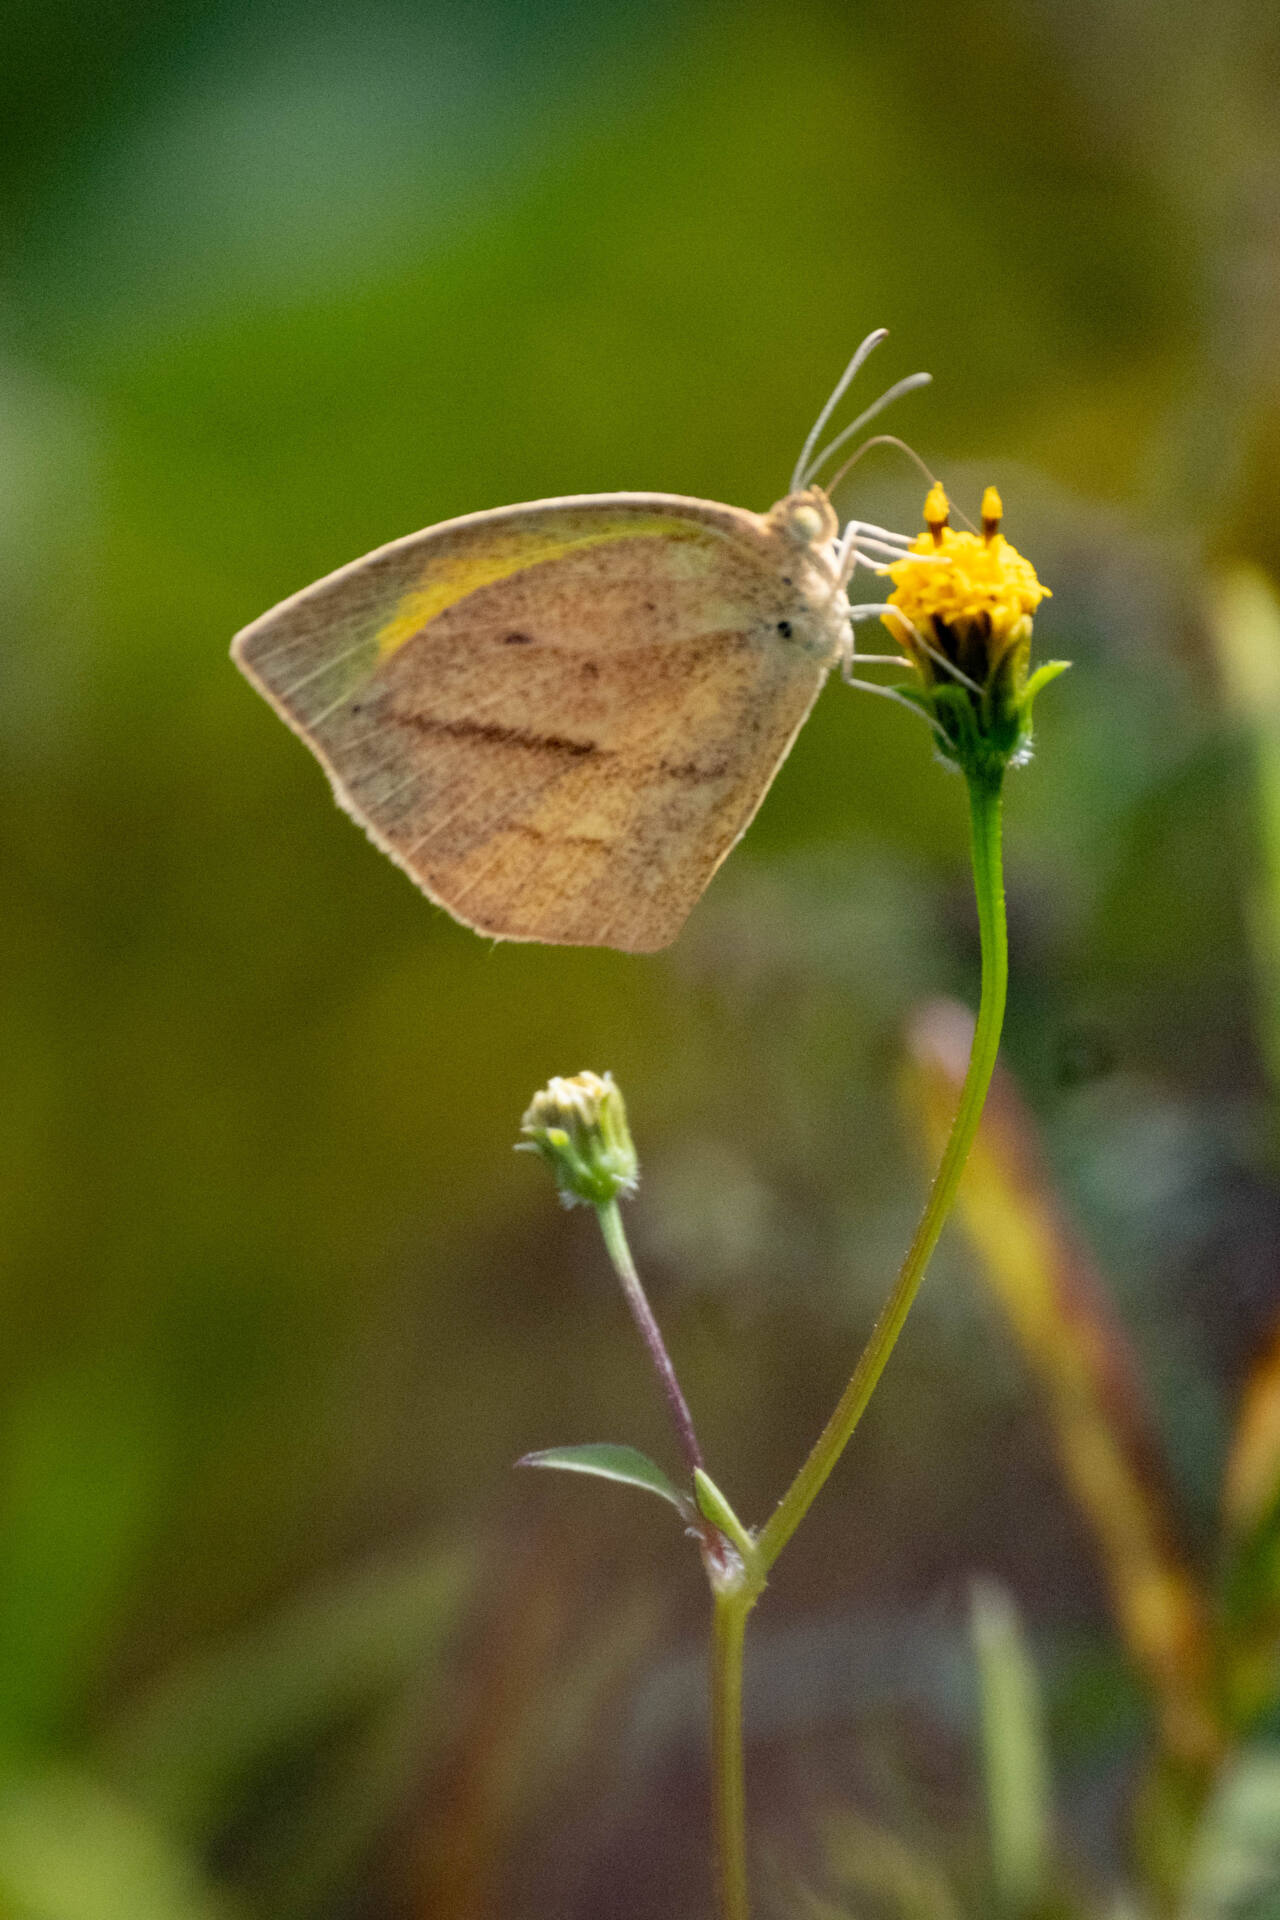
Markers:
(1235, 1867)
(190, 1748)
(608, 1462)
(865, 1859)
(70, 1849)
(1015, 1760)
(1047, 1287)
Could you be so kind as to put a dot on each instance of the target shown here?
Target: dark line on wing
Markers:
(500, 735)
(690, 770)
(592, 840)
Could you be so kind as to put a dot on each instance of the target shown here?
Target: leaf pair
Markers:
(631, 1468)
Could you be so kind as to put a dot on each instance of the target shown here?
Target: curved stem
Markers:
(988, 881)
(728, 1776)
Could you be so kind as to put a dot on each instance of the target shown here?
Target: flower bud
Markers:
(579, 1127)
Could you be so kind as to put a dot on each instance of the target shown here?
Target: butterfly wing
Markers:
(558, 718)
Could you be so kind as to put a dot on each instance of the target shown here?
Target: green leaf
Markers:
(716, 1508)
(608, 1462)
(1019, 1796)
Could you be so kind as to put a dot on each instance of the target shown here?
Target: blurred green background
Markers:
(281, 1634)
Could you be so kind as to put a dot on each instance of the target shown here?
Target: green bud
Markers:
(579, 1127)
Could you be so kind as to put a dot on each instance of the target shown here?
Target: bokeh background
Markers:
(282, 1636)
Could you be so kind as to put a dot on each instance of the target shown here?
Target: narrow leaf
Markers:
(608, 1462)
(716, 1508)
(1015, 1761)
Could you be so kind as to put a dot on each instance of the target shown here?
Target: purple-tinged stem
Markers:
(624, 1266)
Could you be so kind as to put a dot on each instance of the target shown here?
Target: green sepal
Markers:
(984, 733)
(1041, 678)
(627, 1465)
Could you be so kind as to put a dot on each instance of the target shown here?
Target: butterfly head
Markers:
(808, 518)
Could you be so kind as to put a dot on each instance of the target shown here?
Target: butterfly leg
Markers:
(860, 541)
(871, 609)
(890, 693)
(853, 659)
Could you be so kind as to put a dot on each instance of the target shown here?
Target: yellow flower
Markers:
(961, 610)
(969, 597)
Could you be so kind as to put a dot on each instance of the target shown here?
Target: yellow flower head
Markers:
(967, 597)
(961, 610)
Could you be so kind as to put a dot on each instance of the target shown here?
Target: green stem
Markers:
(734, 1600)
(728, 1775)
(984, 820)
(615, 1240)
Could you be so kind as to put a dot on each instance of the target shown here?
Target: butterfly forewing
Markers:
(558, 718)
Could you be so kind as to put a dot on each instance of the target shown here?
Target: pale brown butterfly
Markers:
(558, 718)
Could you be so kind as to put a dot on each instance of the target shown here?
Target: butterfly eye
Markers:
(809, 519)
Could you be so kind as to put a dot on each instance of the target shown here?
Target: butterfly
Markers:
(559, 717)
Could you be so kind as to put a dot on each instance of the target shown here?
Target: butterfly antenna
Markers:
(842, 439)
(892, 440)
(859, 359)
(881, 440)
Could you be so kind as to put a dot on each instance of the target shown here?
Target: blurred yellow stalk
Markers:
(1244, 625)
(1253, 1470)
(1251, 1521)
(1050, 1294)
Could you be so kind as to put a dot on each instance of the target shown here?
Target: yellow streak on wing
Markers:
(507, 554)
